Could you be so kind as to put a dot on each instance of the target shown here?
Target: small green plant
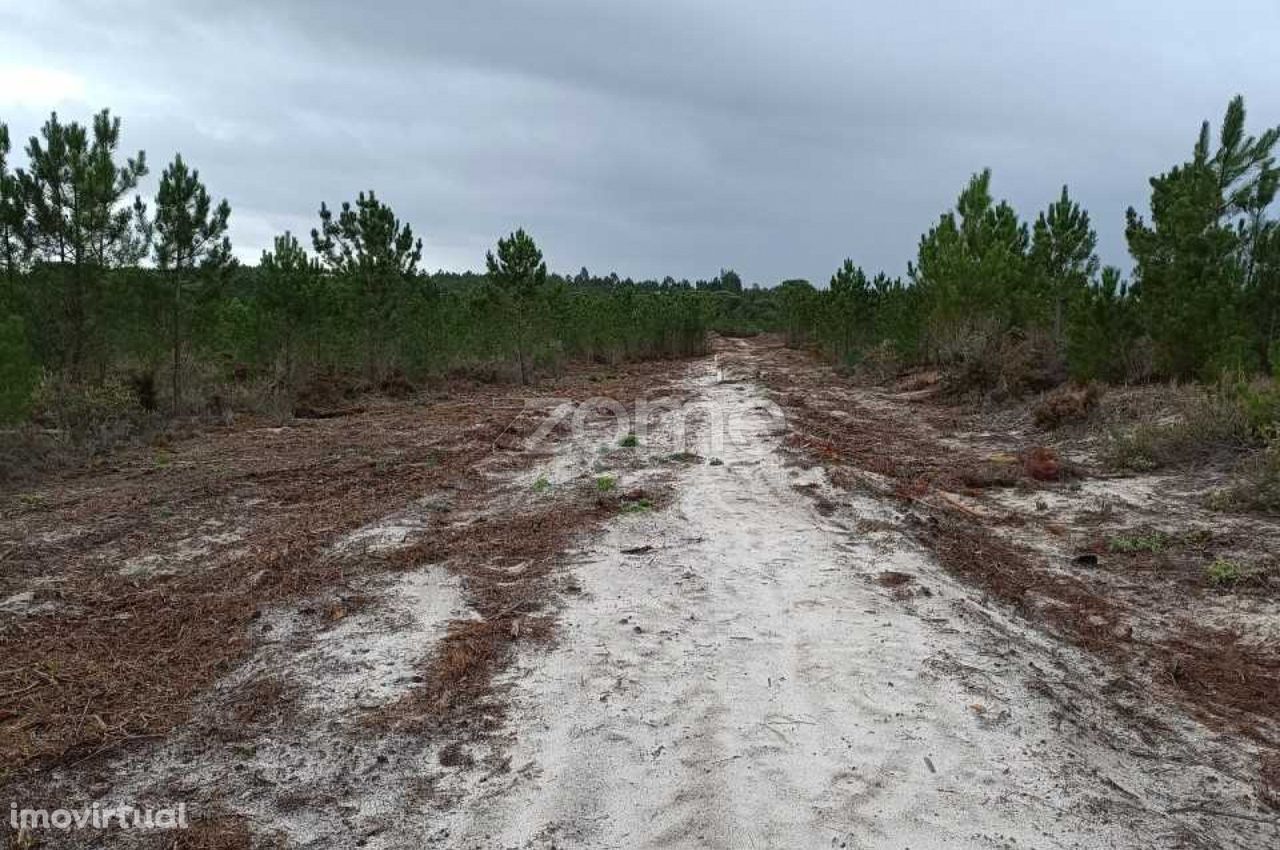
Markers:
(1128, 544)
(629, 442)
(542, 485)
(715, 461)
(606, 484)
(1223, 572)
(637, 506)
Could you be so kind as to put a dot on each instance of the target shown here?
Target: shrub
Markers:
(629, 442)
(880, 363)
(1003, 366)
(94, 416)
(606, 484)
(1257, 486)
(1260, 403)
(1212, 423)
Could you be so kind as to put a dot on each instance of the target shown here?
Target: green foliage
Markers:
(1205, 296)
(1259, 401)
(1063, 258)
(972, 271)
(77, 225)
(606, 484)
(518, 287)
(1128, 544)
(18, 372)
(629, 442)
(190, 233)
(14, 234)
(1196, 256)
(542, 485)
(291, 291)
(1223, 572)
(1005, 306)
(1101, 331)
(94, 415)
(378, 255)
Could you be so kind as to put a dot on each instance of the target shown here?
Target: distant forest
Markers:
(113, 302)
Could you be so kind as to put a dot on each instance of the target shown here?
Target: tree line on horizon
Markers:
(110, 300)
(990, 294)
(107, 299)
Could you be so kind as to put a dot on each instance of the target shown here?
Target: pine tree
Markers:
(291, 280)
(971, 270)
(1063, 249)
(14, 235)
(74, 192)
(730, 281)
(852, 301)
(190, 234)
(518, 275)
(1195, 257)
(1101, 329)
(368, 244)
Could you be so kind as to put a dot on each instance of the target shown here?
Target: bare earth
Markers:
(748, 639)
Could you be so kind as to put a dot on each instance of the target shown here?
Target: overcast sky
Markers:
(653, 137)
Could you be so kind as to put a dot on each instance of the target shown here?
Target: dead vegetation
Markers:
(133, 588)
(510, 567)
(1066, 404)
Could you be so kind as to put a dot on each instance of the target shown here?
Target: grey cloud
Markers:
(661, 137)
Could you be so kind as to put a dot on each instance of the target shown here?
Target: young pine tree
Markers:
(1063, 255)
(369, 247)
(517, 276)
(1193, 259)
(190, 237)
(852, 302)
(14, 237)
(971, 272)
(1101, 330)
(74, 191)
(290, 282)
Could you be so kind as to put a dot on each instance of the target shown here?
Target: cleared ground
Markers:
(795, 613)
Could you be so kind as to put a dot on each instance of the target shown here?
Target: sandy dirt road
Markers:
(751, 681)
